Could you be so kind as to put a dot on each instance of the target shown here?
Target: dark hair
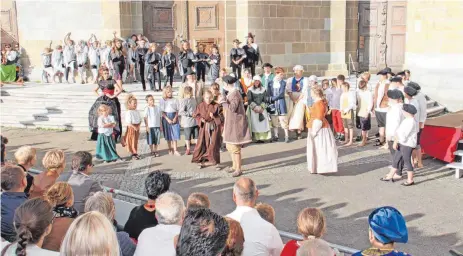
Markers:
(203, 233)
(346, 84)
(362, 84)
(31, 220)
(341, 77)
(407, 71)
(156, 183)
(188, 90)
(12, 177)
(148, 96)
(81, 160)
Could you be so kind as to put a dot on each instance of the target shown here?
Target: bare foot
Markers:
(348, 144)
(362, 144)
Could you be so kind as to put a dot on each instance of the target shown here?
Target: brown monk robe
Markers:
(208, 145)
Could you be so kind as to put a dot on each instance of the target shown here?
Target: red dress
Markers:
(290, 248)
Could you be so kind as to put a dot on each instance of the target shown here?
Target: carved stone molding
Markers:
(6, 20)
(382, 33)
(206, 17)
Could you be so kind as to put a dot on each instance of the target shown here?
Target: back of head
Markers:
(198, 200)
(53, 160)
(31, 221)
(311, 223)
(12, 177)
(90, 234)
(203, 233)
(235, 239)
(59, 194)
(25, 154)
(342, 78)
(315, 247)
(156, 183)
(266, 211)
(169, 208)
(101, 202)
(81, 160)
(245, 190)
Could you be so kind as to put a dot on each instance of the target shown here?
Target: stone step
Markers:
(45, 125)
(430, 103)
(435, 111)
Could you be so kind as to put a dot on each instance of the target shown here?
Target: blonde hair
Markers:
(130, 99)
(53, 160)
(266, 211)
(25, 154)
(165, 90)
(90, 234)
(101, 202)
(311, 223)
(366, 74)
(188, 91)
(318, 92)
(198, 200)
(104, 108)
(59, 194)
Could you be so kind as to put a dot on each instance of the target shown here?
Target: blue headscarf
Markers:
(388, 225)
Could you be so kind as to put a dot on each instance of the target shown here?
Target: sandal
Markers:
(155, 154)
(386, 179)
(230, 169)
(406, 183)
(237, 174)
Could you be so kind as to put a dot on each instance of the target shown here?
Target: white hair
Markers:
(169, 208)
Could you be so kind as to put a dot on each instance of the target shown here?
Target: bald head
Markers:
(245, 192)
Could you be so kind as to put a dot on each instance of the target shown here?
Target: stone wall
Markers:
(433, 49)
(352, 33)
(131, 14)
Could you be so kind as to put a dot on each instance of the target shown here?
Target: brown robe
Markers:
(208, 146)
(236, 130)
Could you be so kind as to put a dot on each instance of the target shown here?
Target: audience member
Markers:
(13, 184)
(266, 211)
(198, 200)
(160, 239)
(261, 237)
(82, 184)
(311, 224)
(32, 222)
(315, 247)
(103, 203)
(235, 239)
(143, 216)
(90, 234)
(26, 158)
(203, 233)
(387, 227)
(54, 163)
(61, 198)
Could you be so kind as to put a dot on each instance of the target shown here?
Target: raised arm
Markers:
(66, 38)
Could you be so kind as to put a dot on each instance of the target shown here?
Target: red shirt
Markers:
(290, 248)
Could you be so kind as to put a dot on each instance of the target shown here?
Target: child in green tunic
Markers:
(106, 144)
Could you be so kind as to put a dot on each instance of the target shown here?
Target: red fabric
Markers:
(107, 91)
(440, 142)
(290, 248)
(337, 121)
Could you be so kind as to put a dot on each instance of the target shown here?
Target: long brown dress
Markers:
(236, 130)
(208, 145)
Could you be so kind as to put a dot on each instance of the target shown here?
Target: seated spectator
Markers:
(311, 224)
(32, 222)
(82, 184)
(160, 239)
(13, 184)
(26, 158)
(90, 234)
(315, 247)
(61, 198)
(266, 211)
(203, 233)
(260, 236)
(387, 227)
(143, 216)
(235, 239)
(54, 163)
(198, 200)
(103, 203)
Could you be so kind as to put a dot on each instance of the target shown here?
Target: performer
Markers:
(110, 89)
(348, 104)
(133, 121)
(69, 58)
(140, 60)
(169, 62)
(246, 81)
(170, 125)
(296, 104)
(322, 154)
(364, 108)
(396, 83)
(257, 115)
(214, 61)
(236, 131)
(82, 55)
(197, 87)
(185, 60)
(117, 58)
(278, 116)
(57, 63)
(237, 55)
(153, 67)
(252, 54)
(207, 150)
(335, 108)
(421, 118)
(201, 63)
(410, 98)
(94, 57)
(106, 145)
(380, 101)
(267, 76)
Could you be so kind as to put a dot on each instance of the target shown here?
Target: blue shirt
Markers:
(10, 202)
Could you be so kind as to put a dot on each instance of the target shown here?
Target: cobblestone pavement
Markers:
(432, 208)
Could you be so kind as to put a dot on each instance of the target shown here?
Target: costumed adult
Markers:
(296, 105)
(322, 154)
(258, 118)
(117, 58)
(197, 86)
(237, 56)
(252, 54)
(185, 60)
(267, 76)
(110, 89)
(8, 67)
(380, 103)
(236, 131)
(387, 227)
(207, 115)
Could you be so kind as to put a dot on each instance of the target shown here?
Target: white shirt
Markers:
(30, 250)
(261, 237)
(422, 102)
(169, 105)
(364, 97)
(414, 101)
(153, 114)
(329, 96)
(393, 119)
(407, 132)
(132, 117)
(351, 101)
(105, 120)
(158, 240)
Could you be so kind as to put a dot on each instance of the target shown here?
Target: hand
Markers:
(147, 130)
(174, 121)
(203, 120)
(329, 112)
(211, 115)
(395, 146)
(169, 121)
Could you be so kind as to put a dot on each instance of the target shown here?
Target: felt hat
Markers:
(388, 224)
(313, 78)
(409, 108)
(237, 41)
(410, 91)
(394, 94)
(401, 73)
(382, 72)
(229, 79)
(298, 68)
(250, 35)
(396, 79)
(267, 65)
(414, 86)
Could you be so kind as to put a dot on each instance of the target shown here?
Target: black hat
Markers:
(409, 108)
(267, 65)
(396, 79)
(414, 86)
(229, 79)
(190, 72)
(382, 72)
(410, 91)
(401, 73)
(394, 94)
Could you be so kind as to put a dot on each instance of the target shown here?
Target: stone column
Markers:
(337, 43)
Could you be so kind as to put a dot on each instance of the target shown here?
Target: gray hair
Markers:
(101, 202)
(246, 192)
(169, 208)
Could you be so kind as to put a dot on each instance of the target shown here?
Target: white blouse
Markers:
(132, 117)
(169, 105)
(407, 132)
(393, 119)
(105, 120)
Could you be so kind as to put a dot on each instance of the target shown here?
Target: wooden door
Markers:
(370, 35)
(158, 21)
(395, 37)
(9, 27)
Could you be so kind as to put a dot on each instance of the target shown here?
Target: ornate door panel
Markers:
(9, 22)
(158, 21)
(396, 28)
(370, 34)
